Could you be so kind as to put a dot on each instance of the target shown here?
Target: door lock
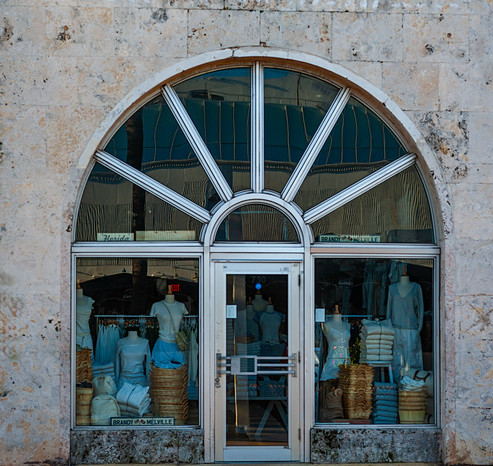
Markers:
(217, 381)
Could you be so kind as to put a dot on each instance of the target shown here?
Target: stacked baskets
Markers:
(169, 393)
(412, 406)
(356, 383)
(83, 375)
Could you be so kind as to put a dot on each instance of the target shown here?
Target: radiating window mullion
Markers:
(198, 145)
(358, 188)
(152, 186)
(257, 115)
(315, 145)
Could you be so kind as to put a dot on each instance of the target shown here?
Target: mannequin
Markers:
(245, 325)
(270, 321)
(259, 303)
(405, 310)
(337, 333)
(169, 313)
(84, 310)
(132, 360)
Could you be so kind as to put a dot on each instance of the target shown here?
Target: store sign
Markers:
(115, 236)
(349, 238)
(171, 235)
(142, 421)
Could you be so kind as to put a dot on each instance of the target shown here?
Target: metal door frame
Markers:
(293, 270)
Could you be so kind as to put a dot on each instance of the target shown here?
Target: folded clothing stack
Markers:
(133, 400)
(377, 339)
(385, 403)
(104, 369)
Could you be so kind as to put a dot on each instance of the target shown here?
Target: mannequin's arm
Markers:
(420, 305)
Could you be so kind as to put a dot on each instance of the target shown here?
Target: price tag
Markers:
(231, 311)
(320, 314)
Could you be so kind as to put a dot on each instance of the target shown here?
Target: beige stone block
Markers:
(472, 208)
(39, 81)
(433, 38)
(67, 132)
(445, 7)
(65, 33)
(480, 34)
(413, 86)
(376, 37)
(480, 129)
(310, 32)
(22, 31)
(150, 32)
(173, 4)
(473, 434)
(104, 81)
(475, 320)
(273, 5)
(370, 71)
(466, 87)
(353, 6)
(212, 30)
(473, 264)
(448, 136)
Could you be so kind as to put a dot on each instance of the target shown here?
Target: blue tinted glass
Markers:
(219, 105)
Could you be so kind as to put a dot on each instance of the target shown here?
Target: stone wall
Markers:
(66, 64)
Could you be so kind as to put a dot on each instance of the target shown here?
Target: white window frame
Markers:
(205, 249)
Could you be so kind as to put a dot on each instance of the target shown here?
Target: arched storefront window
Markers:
(328, 180)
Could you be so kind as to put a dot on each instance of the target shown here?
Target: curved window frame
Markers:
(206, 247)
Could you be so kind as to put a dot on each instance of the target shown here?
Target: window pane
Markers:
(295, 105)
(113, 209)
(151, 141)
(396, 211)
(374, 341)
(359, 144)
(129, 365)
(219, 105)
(256, 222)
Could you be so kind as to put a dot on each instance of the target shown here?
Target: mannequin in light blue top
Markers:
(405, 309)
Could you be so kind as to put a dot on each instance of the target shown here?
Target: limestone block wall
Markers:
(66, 63)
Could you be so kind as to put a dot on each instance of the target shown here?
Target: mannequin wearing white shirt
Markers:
(259, 303)
(169, 313)
(83, 314)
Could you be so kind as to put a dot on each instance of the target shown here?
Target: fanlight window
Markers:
(271, 131)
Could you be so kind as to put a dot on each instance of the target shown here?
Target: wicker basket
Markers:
(356, 383)
(168, 390)
(83, 406)
(412, 406)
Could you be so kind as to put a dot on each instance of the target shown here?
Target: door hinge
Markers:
(299, 433)
(299, 279)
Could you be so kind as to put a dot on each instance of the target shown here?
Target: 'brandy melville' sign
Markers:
(349, 238)
(142, 421)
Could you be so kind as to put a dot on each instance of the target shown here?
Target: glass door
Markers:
(257, 387)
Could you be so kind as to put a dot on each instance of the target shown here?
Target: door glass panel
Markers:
(256, 330)
(396, 211)
(114, 209)
(151, 141)
(359, 144)
(219, 105)
(295, 105)
(256, 222)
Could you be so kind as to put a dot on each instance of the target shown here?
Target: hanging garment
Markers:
(193, 359)
(338, 351)
(108, 337)
(407, 351)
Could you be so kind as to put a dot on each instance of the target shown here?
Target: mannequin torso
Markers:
(169, 314)
(270, 322)
(132, 359)
(83, 314)
(337, 333)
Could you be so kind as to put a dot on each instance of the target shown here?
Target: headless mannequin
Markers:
(270, 322)
(405, 310)
(245, 325)
(132, 360)
(169, 313)
(84, 310)
(259, 303)
(337, 333)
